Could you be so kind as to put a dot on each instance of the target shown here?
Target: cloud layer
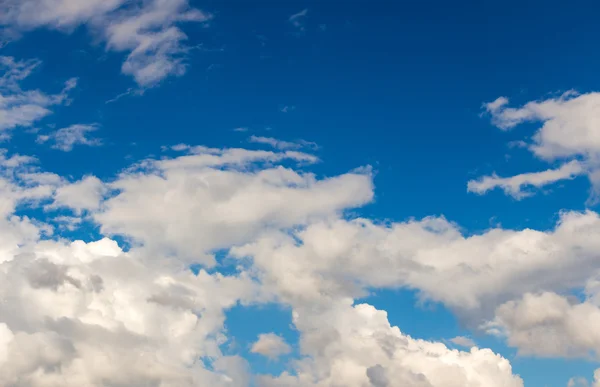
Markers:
(89, 313)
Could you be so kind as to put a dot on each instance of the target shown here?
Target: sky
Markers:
(299, 193)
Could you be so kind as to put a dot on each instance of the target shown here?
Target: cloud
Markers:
(271, 346)
(354, 345)
(280, 144)
(240, 129)
(567, 132)
(23, 108)
(222, 204)
(146, 30)
(582, 382)
(514, 185)
(463, 341)
(287, 109)
(297, 19)
(85, 194)
(567, 129)
(550, 325)
(66, 138)
(294, 243)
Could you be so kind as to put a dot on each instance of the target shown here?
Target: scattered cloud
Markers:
(271, 346)
(567, 132)
(583, 382)
(147, 30)
(66, 138)
(514, 185)
(23, 108)
(282, 145)
(240, 129)
(287, 109)
(298, 19)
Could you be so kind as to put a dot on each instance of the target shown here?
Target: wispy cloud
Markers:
(298, 19)
(20, 107)
(66, 138)
(146, 29)
(514, 185)
(287, 109)
(240, 129)
(282, 145)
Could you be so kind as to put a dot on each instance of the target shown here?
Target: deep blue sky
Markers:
(398, 85)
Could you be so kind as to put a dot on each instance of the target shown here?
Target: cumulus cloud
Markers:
(550, 325)
(88, 313)
(270, 345)
(146, 30)
(514, 185)
(355, 345)
(65, 139)
(23, 108)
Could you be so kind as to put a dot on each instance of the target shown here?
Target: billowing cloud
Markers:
(88, 313)
(354, 345)
(146, 30)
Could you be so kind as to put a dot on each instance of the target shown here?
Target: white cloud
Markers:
(191, 205)
(85, 194)
(569, 130)
(282, 145)
(568, 124)
(463, 341)
(271, 346)
(582, 382)
(66, 138)
(356, 346)
(146, 30)
(514, 185)
(23, 108)
(296, 246)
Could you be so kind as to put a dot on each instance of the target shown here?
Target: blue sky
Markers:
(475, 123)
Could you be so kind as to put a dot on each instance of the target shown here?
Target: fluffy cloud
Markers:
(548, 324)
(23, 108)
(66, 138)
(568, 130)
(356, 346)
(91, 314)
(270, 345)
(582, 382)
(146, 30)
(208, 200)
(472, 275)
(568, 123)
